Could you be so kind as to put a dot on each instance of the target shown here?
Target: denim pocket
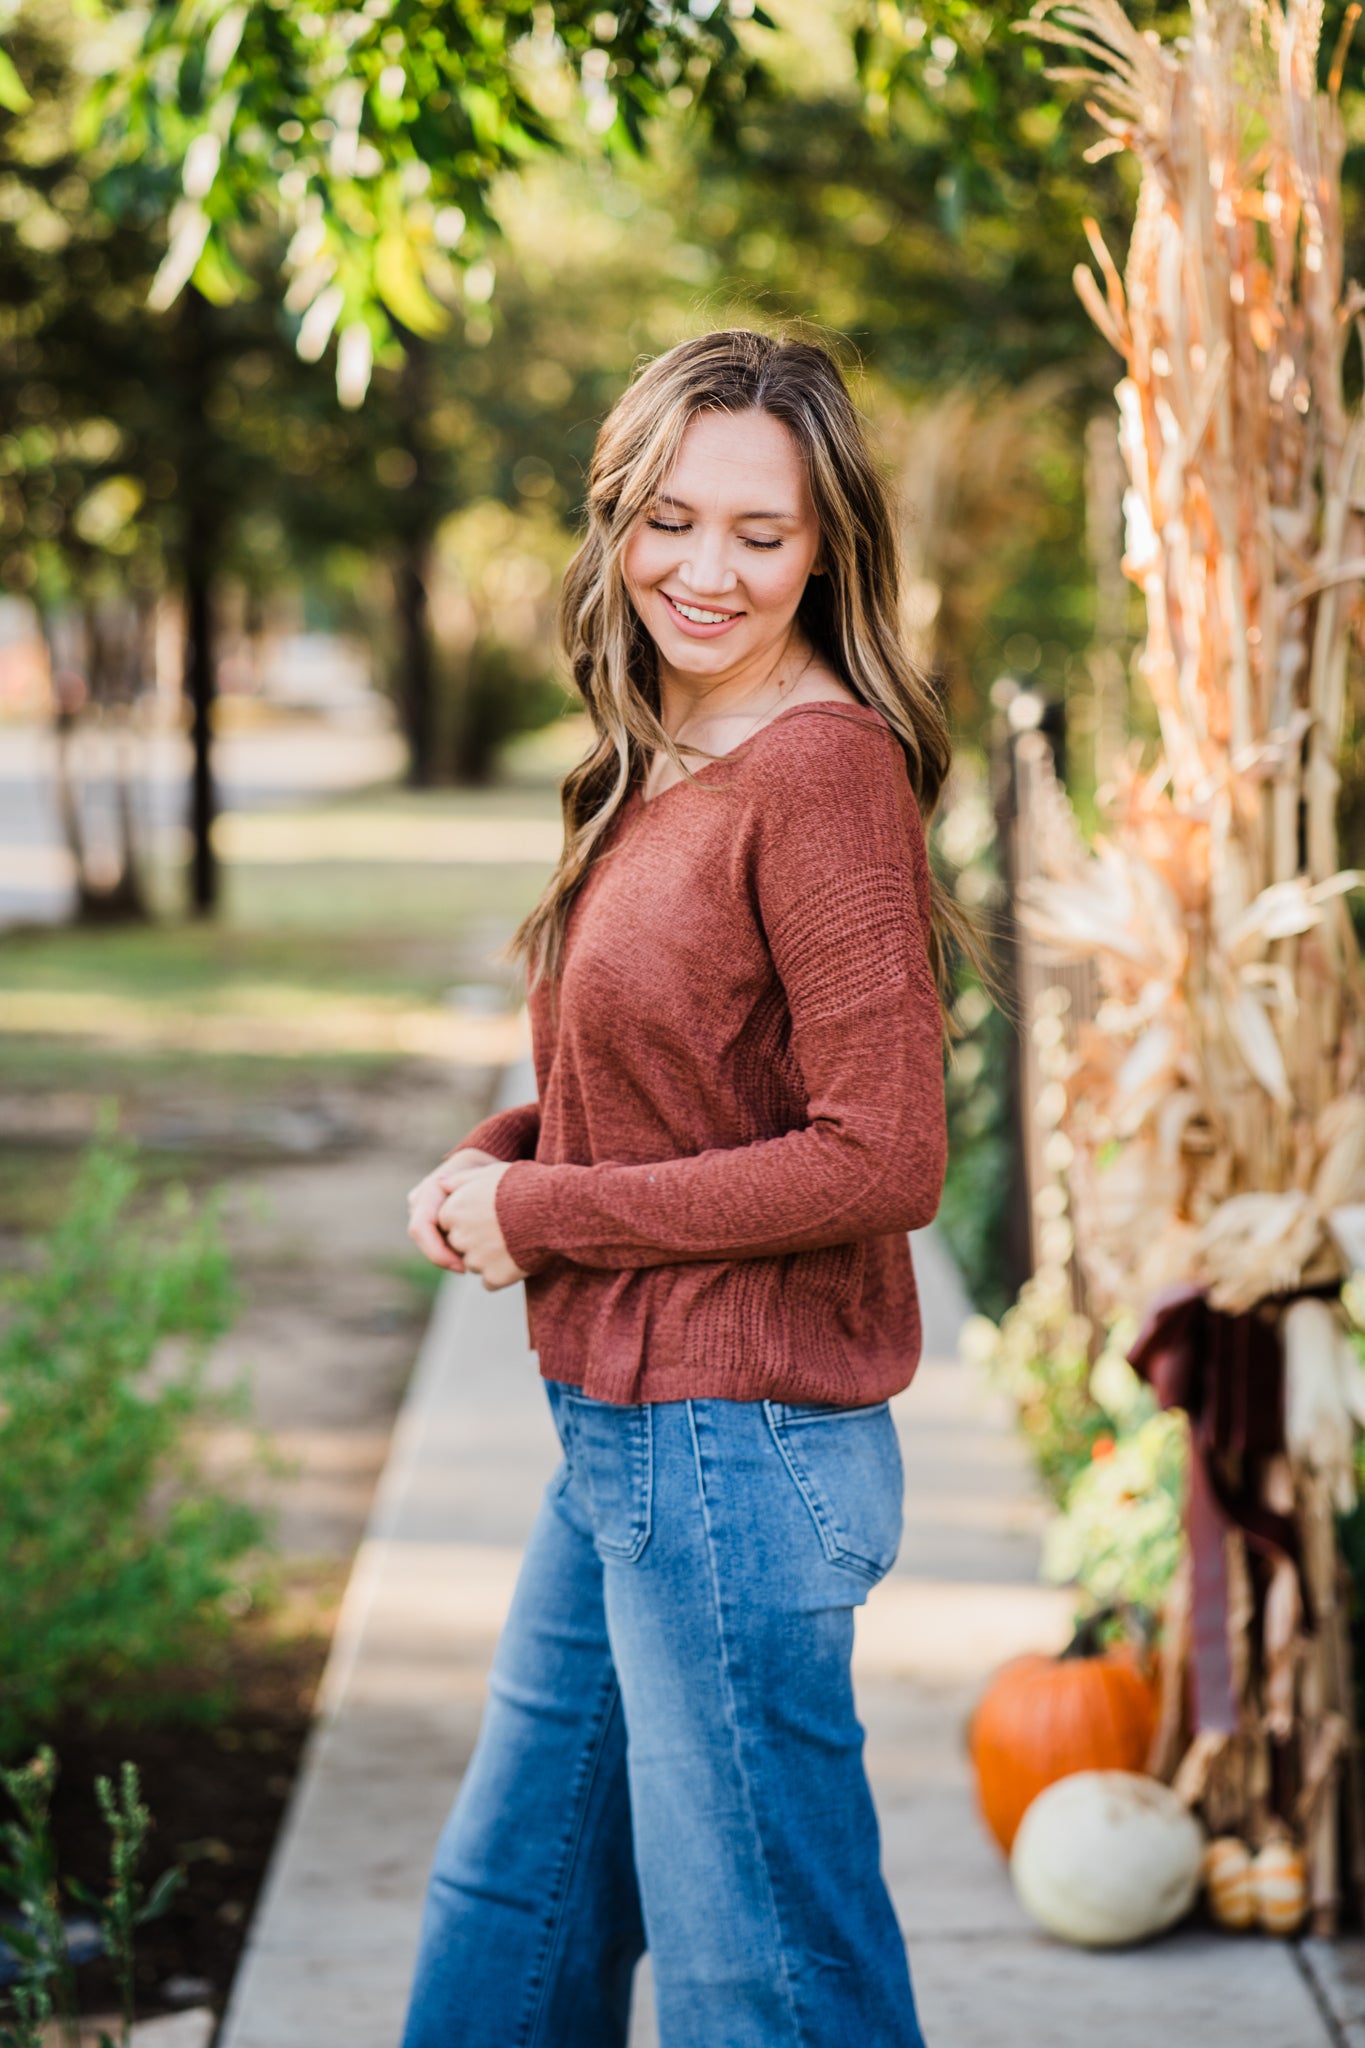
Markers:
(610, 1451)
(846, 1463)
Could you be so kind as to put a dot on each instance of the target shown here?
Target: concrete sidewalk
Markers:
(329, 1956)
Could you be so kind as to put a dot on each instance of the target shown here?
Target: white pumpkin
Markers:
(1104, 1858)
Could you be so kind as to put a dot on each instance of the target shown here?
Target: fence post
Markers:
(1034, 825)
(1016, 1248)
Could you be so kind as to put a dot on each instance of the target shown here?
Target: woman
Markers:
(737, 1036)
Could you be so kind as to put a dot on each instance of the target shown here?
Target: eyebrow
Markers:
(681, 505)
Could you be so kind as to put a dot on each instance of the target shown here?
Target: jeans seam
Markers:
(732, 1716)
(541, 1973)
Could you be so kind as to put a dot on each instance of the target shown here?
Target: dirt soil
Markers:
(217, 1796)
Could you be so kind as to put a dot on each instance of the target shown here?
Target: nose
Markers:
(706, 571)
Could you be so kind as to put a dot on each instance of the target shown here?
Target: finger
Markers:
(434, 1246)
(468, 1161)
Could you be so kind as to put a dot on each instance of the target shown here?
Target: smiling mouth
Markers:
(696, 616)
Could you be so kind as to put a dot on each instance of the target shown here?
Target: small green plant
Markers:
(117, 1562)
(126, 1905)
(29, 1879)
(45, 1988)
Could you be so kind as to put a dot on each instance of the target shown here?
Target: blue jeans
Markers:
(670, 1754)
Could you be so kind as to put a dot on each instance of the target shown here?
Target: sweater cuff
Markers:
(523, 1203)
(507, 1134)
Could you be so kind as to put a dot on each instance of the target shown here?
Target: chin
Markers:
(699, 657)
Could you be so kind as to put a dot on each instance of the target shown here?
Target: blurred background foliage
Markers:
(504, 208)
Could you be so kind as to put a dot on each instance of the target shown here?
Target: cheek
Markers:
(644, 561)
(775, 582)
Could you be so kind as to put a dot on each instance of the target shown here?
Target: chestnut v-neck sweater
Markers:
(741, 1085)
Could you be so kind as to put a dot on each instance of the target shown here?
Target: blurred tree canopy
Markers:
(202, 200)
(372, 133)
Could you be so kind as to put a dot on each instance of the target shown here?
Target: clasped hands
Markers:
(453, 1221)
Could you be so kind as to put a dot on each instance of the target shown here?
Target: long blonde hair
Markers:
(850, 615)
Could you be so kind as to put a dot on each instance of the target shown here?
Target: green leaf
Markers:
(399, 282)
(159, 1897)
(221, 281)
(14, 94)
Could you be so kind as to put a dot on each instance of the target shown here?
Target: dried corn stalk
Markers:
(1216, 1103)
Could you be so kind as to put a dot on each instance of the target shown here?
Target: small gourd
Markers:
(1104, 1858)
(1279, 1881)
(1227, 1882)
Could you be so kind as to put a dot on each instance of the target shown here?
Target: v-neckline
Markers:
(835, 704)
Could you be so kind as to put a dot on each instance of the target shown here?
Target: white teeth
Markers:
(699, 618)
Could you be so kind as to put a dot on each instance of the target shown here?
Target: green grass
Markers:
(342, 902)
(380, 932)
(52, 1066)
(292, 941)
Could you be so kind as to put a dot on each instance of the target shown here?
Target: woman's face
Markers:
(717, 565)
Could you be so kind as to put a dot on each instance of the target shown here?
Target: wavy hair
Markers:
(850, 615)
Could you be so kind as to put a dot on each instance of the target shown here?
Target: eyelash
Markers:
(765, 546)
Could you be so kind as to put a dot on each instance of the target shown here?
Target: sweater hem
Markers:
(780, 1380)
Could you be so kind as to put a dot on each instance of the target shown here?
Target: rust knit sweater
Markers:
(741, 1085)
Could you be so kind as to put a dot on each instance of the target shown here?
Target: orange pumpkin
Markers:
(1041, 1718)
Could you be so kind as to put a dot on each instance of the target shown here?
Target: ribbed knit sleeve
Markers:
(838, 873)
(507, 1134)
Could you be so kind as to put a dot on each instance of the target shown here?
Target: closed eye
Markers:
(667, 526)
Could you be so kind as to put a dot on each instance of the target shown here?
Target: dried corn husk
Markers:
(1215, 1102)
(1324, 1396)
(1213, 908)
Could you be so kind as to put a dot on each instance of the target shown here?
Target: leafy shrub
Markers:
(976, 1192)
(1120, 1531)
(1039, 1355)
(1111, 1461)
(976, 1189)
(116, 1561)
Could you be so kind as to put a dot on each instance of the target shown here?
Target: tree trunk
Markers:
(200, 688)
(414, 655)
(417, 678)
(108, 891)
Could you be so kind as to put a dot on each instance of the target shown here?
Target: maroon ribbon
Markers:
(1227, 1373)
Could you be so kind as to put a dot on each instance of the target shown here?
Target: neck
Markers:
(750, 690)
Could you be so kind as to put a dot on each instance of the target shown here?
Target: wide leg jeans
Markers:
(670, 1754)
